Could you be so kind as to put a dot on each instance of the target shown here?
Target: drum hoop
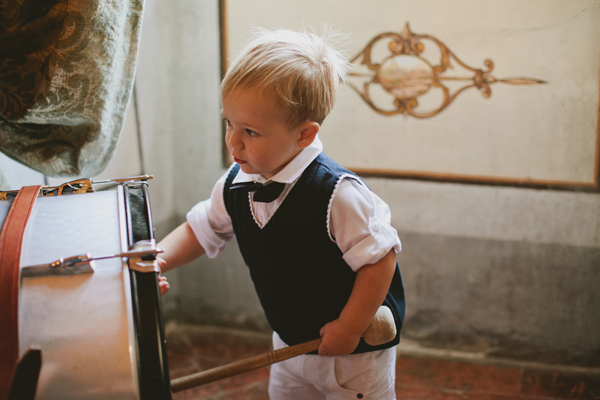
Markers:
(133, 352)
(153, 371)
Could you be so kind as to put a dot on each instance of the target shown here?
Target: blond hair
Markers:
(301, 70)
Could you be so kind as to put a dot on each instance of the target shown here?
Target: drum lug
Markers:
(141, 256)
(75, 265)
(137, 264)
(147, 263)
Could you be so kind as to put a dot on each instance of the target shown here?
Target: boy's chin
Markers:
(248, 169)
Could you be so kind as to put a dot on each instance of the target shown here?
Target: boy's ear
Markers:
(308, 132)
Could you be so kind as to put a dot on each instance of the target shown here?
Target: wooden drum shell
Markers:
(101, 334)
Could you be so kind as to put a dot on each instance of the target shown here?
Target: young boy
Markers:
(317, 241)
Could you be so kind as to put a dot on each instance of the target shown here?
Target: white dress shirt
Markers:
(358, 220)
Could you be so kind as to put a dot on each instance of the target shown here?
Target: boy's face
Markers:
(257, 136)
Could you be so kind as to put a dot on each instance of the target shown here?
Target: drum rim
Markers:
(151, 352)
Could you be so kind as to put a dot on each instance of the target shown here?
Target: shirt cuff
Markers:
(197, 219)
(373, 247)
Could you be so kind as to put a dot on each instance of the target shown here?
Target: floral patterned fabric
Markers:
(66, 75)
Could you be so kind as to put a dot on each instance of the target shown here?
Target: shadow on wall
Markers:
(503, 298)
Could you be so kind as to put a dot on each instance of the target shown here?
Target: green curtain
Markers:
(67, 69)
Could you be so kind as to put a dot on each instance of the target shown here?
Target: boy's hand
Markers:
(338, 340)
(163, 285)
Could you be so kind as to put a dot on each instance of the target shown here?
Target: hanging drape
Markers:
(67, 69)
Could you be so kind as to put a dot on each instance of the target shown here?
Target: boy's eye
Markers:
(251, 132)
(226, 121)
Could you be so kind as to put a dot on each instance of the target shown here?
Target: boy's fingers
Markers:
(163, 285)
(161, 262)
(322, 350)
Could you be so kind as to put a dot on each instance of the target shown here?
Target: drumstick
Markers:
(381, 330)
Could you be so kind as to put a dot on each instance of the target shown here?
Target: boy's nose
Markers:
(234, 139)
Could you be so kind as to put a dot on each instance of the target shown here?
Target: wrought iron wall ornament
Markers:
(407, 75)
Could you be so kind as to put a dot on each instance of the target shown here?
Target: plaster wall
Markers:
(497, 269)
(502, 270)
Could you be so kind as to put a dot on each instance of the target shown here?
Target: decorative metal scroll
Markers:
(407, 75)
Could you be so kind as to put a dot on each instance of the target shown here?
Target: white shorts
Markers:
(356, 376)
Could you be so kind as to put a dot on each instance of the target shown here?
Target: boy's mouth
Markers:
(237, 160)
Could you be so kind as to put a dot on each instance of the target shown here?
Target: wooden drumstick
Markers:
(381, 330)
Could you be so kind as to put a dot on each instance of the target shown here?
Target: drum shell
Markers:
(84, 325)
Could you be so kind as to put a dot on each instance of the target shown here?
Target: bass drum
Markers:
(101, 334)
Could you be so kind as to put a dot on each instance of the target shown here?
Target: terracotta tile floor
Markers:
(420, 374)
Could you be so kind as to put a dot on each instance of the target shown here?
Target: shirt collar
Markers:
(292, 170)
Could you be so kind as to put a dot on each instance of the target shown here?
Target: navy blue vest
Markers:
(299, 274)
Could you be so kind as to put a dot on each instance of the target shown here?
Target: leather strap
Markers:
(10, 256)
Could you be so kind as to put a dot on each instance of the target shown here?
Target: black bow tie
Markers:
(264, 193)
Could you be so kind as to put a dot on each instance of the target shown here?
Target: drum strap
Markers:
(10, 255)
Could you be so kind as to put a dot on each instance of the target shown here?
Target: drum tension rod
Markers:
(82, 264)
(78, 186)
